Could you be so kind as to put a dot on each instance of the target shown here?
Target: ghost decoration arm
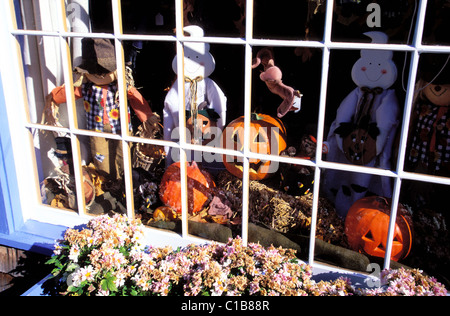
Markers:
(387, 120)
(217, 101)
(272, 76)
(344, 114)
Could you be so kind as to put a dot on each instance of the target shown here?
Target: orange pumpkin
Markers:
(199, 184)
(267, 136)
(165, 214)
(207, 123)
(367, 225)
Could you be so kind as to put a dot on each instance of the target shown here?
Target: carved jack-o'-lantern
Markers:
(367, 225)
(359, 147)
(199, 184)
(267, 136)
(359, 142)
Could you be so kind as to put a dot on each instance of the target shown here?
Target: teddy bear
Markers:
(272, 76)
(199, 64)
(97, 85)
(364, 129)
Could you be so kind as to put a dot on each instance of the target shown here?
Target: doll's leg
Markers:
(116, 158)
(100, 154)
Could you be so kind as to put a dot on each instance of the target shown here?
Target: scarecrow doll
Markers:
(97, 84)
(428, 149)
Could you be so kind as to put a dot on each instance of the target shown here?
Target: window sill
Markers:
(34, 236)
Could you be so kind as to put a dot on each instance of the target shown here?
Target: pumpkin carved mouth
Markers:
(254, 167)
(355, 156)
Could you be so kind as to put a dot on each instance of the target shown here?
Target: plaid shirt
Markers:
(102, 107)
(431, 141)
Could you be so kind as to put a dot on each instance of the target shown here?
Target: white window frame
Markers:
(20, 123)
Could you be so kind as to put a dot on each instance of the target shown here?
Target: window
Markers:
(296, 176)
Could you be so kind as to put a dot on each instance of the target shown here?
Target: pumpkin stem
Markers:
(256, 117)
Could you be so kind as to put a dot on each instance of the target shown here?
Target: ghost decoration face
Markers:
(198, 62)
(375, 68)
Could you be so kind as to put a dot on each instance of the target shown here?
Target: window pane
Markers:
(148, 17)
(352, 18)
(437, 23)
(430, 251)
(429, 140)
(224, 18)
(37, 15)
(364, 114)
(299, 19)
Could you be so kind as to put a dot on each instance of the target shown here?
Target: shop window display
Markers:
(297, 191)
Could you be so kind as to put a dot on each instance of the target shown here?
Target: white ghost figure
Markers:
(199, 64)
(373, 108)
(375, 68)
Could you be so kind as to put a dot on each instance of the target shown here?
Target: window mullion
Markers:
(320, 128)
(71, 107)
(123, 100)
(404, 131)
(182, 117)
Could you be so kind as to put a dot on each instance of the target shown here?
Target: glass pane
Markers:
(364, 215)
(107, 171)
(56, 171)
(43, 71)
(224, 18)
(429, 251)
(211, 207)
(281, 91)
(363, 114)
(429, 140)
(148, 17)
(37, 15)
(300, 20)
(352, 18)
(437, 23)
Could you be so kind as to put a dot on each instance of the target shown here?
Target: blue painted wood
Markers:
(34, 236)
(5, 199)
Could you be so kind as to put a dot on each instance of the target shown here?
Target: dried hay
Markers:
(285, 213)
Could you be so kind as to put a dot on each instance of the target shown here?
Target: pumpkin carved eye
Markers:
(236, 138)
(259, 138)
(267, 136)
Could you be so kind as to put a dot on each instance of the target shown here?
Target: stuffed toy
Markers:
(429, 134)
(430, 138)
(207, 118)
(364, 129)
(295, 179)
(97, 86)
(272, 76)
(199, 64)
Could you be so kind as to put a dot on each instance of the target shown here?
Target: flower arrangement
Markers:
(108, 258)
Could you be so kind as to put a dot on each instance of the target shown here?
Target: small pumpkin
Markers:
(207, 123)
(267, 136)
(359, 142)
(165, 214)
(367, 226)
(199, 184)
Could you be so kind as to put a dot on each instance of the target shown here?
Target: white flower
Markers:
(74, 253)
(87, 274)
